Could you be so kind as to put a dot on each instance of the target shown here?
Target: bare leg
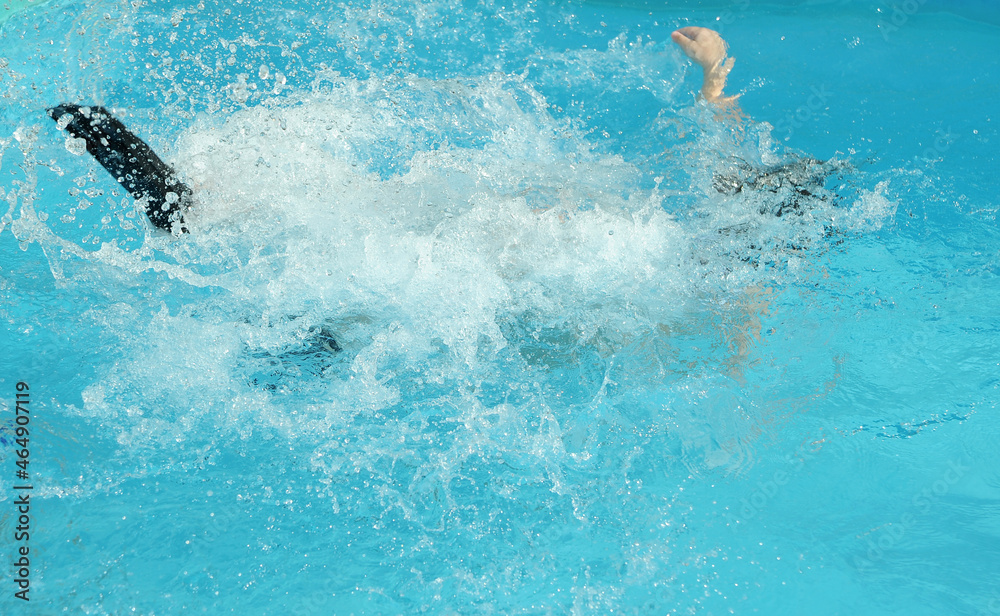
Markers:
(707, 48)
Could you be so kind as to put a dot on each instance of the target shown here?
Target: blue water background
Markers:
(813, 432)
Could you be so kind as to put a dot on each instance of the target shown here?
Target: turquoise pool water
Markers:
(574, 377)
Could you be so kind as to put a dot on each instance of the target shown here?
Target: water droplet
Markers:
(76, 146)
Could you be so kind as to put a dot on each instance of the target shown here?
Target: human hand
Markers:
(702, 45)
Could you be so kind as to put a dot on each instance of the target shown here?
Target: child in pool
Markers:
(166, 198)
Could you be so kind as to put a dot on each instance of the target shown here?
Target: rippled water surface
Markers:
(468, 322)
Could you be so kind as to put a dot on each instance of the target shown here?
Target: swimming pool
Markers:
(574, 376)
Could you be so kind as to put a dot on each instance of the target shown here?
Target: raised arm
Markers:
(708, 50)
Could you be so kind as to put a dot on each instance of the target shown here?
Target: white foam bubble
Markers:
(75, 146)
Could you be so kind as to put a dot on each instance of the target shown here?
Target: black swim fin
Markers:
(129, 161)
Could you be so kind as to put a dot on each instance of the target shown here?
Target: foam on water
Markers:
(466, 249)
(547, 329)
